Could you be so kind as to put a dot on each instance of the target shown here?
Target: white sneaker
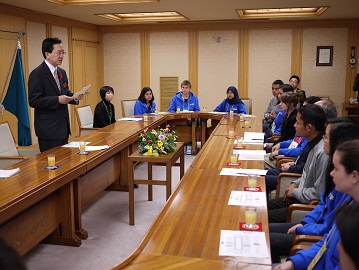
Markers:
(189, 149)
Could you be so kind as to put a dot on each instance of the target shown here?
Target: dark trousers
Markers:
(277, 210)
(280, 241)
(271, 179)
(45, 144)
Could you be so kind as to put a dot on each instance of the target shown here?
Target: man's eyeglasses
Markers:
(59, 53)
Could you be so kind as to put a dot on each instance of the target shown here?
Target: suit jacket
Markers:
(51, 118)
(288, 130)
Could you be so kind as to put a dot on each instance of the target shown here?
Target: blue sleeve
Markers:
(302, 259)
(153, 107)
(293, 152)
(285, 144)
(328, 217)
(196, 105)
(220, 108)
(242, 108)
(315, 214)
(172, 107)
(138, 108)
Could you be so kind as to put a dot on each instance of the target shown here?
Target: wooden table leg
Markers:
(181, 165)
(194, 140)
(168, 179)
(149, 177)
(204, 129)
(65, 235)
(131, 194)
(80, 232)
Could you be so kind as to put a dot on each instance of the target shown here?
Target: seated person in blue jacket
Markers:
(324, 254)
(349, 236)
(105, 111)
(289, 148)
(320, 220)
(184, 100)
(232, 102)
(145, 102)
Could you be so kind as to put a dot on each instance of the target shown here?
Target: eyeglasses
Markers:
(59, 53)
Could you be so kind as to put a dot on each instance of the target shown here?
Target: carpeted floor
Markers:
(106, 220)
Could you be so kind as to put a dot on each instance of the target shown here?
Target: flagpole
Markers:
(19, 36)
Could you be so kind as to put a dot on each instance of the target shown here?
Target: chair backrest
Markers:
(248, 104)
(324, 97)
(128, 107)
(7, 142)
(84, 116)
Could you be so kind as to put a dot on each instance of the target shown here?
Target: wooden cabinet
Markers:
(350, 110)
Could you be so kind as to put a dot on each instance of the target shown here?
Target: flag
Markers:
(15, 101)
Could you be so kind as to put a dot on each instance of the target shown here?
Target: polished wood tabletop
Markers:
(188, 228)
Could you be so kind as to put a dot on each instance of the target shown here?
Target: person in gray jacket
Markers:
(310, 123)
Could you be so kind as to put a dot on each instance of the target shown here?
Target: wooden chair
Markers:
(84, 117)
(283, 181)
(301, 242)
(248, 104)
(10, 153)
(128, 107)
(283, 159)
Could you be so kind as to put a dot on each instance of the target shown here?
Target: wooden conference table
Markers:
(186, 234)
(39, 204)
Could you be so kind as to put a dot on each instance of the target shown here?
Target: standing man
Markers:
(356, 86)
(49, 94)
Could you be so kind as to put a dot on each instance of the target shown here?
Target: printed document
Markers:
(243, 244)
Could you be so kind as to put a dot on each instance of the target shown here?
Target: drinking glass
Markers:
(82, 147)
(250, 216)
(240, 141)
(229, 263)
(231, 132)
(51, 161)
(231, 112)
(252, 180)
(178, 110)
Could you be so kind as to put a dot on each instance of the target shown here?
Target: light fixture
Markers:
(144, 16)
(268, 13)
(96, 2)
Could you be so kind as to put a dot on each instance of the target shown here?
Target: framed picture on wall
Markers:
(324, 55)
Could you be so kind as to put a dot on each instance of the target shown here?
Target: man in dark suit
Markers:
(49, 94)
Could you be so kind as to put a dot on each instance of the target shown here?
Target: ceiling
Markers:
(194, 10)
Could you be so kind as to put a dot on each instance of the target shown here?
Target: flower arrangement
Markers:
(155, 142)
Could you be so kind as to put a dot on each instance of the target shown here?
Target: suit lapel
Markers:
(51, 78)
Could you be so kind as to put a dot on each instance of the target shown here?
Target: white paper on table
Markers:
(253, 138)
(82, 91)
(240, 171)
(247, 198)
(130, 119)
(250, 154)
(249, 115)
(96, 147)
(74, 144)
(243, 244)
(9, 173)
(218, 112)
